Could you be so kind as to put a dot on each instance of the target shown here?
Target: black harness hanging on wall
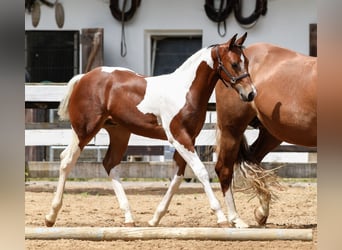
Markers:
(123, 16)
(219, 16)
(226, 7)
(260, 9)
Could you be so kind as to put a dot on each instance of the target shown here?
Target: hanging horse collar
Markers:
(122, 15)
(219, 15)
(260, 9)
(233, 79)
(225, 8)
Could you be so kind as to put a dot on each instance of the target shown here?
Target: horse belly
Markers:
(300, 129)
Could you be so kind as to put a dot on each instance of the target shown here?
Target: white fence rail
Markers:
(57, 138)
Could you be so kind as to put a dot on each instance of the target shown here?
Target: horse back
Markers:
(106, 84)
(286, 82)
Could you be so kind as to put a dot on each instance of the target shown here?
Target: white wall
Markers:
(286, 23)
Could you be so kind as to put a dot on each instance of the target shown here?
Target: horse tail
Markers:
(63, 106)
(251, 177)
(245, 154)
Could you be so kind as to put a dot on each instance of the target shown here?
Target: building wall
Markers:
(286, 24)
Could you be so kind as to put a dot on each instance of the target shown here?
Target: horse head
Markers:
(232, 67)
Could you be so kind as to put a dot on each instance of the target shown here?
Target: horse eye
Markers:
(235, 65)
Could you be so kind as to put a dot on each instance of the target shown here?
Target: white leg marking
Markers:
(68, 160)
(202, 174)
(164, 204)
(233, 216)
(120, 194)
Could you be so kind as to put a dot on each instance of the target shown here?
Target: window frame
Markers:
(150, 34)
(76, 48)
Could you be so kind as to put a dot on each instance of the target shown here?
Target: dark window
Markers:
(51, 55)
(168, 53)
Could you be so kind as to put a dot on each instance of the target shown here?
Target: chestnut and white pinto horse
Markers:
(169, 107)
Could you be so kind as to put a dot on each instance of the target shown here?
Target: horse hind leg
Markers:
(174, 186)
(121, 196)
(81, 135)
(119, 137)
(265, 143)
(68, 160)
(261, 213)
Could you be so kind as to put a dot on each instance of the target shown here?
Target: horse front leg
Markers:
(174, 186)
(228, 150)
(233, 216)
(192, 159)
(68, 160)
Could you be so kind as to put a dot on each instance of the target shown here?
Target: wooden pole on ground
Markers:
(149, 233)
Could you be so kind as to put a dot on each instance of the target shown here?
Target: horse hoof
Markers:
(151, 223)
(260, 217)
(49, 223)
(224, 224)
(240, 224)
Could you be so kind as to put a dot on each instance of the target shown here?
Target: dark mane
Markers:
(236, 45)
(213, 45)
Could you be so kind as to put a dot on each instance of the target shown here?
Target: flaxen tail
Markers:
(252, 177)
(249, 176)
(63, 106)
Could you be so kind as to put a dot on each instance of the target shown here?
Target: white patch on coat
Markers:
(233, 216)
(165, 95)
(112, 69)
(242, 60)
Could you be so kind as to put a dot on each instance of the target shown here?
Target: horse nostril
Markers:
(243, 97)
(251, 96)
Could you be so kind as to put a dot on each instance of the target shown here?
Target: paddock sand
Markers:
(295, 208)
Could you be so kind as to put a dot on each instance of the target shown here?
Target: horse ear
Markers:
(241, 40)
(231, 42)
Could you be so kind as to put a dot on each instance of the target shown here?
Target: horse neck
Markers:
(203, 84)
(197, 75)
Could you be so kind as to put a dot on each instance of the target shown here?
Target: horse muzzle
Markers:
(246, 95)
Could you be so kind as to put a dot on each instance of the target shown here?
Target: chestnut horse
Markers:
(169, 107)
(283, 110)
